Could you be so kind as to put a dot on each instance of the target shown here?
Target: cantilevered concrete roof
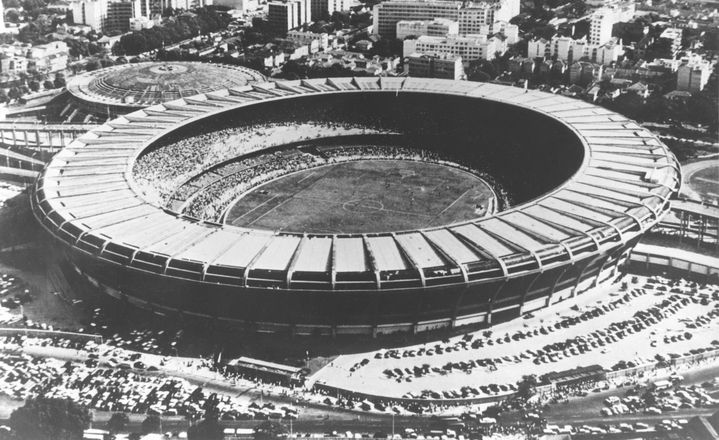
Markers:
(87, 197)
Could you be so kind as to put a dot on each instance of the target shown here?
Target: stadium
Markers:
(356, 205)
(107, 93)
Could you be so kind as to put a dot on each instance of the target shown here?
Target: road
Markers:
(580, 411)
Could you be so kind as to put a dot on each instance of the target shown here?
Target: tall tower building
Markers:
(89, 12)
(288, 14)
(600, 26)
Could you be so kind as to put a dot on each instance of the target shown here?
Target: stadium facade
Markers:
(588, 183)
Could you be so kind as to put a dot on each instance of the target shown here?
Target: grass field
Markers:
(706, 181)
(363, 196)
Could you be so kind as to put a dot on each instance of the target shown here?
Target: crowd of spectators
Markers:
(208, 195)
(211, 202)
(186, 162)
(166, 167)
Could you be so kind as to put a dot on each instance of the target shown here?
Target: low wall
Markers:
(646, 257)
(38, 333)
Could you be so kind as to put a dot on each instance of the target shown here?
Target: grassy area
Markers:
(706, 182)
(363, 196)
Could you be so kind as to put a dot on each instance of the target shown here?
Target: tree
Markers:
(703, 108)
(208, 429)
(14, 93)
(711, 39)
(628, 32)
(661, 48)
(118, 422)
(628, 104)
(151, 424)
(492, 411)
(270, 430)
(481, 70)
(12, 16)
(93, 65)
(51, 419)
(59, 81)
(525, 387)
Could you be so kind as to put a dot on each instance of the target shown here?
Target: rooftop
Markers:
(144, 84)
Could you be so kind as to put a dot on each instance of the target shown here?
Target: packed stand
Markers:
(208, 195)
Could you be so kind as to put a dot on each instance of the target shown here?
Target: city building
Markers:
(475, 16)
(583, 72)
(674, 35)
(603, 19)
(323, 9)
(607, 53)
(693, 74)
(12, 64)
(140, 23)
(15, 49)
(288, 14)
(508, 30)
(240, 5)
(363, 46)
(141, 8)
(318, 9)
(338, 5)
(438, 27)
(447, 66)
(539, 48)
(115, 15)
(388, 13)
(315, 41)
(569, 49)
(470, 47)
(522, 67)
(118, 16)
(89, 12)
(183, 4)
(600, 26)
(48, 58)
